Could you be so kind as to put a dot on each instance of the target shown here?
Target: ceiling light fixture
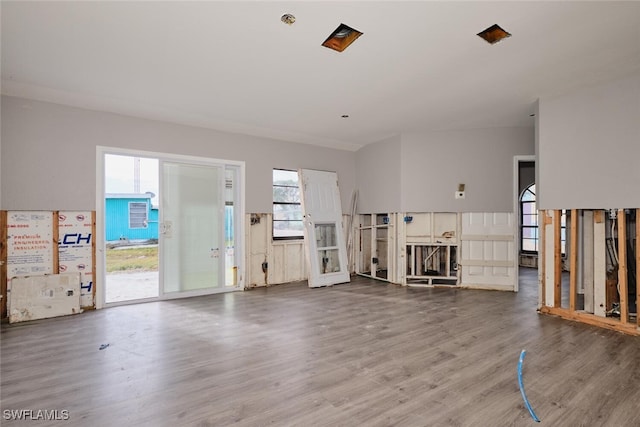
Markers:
(288, 19)
(341, 38)
(494, 34)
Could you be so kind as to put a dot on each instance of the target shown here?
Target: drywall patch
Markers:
(41, 297)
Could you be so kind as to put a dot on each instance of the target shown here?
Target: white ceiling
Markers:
(235, 66)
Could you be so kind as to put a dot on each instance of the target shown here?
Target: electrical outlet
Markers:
(459, 194)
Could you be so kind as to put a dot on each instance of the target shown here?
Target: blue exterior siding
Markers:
(117, 220)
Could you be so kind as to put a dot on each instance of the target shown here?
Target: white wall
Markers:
(589, 146)
(434, 163)
(49, 151)
(378, 176)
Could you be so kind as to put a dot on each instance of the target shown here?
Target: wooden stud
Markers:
(637, 267)
(599, 265)
(622, 266)
(93, 257)
(590, 319)
(573, 261)
(557, 259)
(542, 230)
(55, 232)
(598, 216)
(3, 264)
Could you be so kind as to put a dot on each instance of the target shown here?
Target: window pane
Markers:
(528, 196)
(529, 208)
(529, 245)
(282, 177)
(287, 229)
(529, 232)
(530, 220)
(326, 235)
(286, 194)
(287, 212)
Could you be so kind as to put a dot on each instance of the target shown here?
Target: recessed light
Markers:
(288, 19)
(494, 34)
(341, 38)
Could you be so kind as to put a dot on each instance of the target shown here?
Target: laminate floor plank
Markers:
(365, 353)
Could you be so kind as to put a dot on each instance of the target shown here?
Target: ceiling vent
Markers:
(341, 38)
(494, 34)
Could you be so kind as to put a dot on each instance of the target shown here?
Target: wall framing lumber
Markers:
(588, 260)
(637, 266)
(599, 264)
(56, 241)
(93, 260)
(542, 265)
(557, 259)
(622, 266)
(573, 261)
(590, 319)
(3, 263)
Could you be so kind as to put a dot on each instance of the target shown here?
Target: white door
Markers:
(191, 228)
(487, 251)
(324, 236)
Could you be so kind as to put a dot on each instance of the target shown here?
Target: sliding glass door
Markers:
(192, 232)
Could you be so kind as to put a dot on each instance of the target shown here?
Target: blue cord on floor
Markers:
(524, 396)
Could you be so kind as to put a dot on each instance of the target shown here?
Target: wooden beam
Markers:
(637, 267)
(573, 261)
(622, 266)
(599, 265)
(55, 232)
(557, 260)
(542, 231)
(3, 264)
(93, 257)
(598, 216)
(590, 319)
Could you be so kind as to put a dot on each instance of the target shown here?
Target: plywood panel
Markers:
(294, 262)
(277, 265)
(420, 225)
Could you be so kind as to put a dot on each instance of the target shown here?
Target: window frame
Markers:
(522, 226)
(273, 216)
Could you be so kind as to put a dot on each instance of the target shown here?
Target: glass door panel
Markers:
(192, 227)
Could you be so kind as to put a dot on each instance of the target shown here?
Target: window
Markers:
(529, 222)
(287, 212)
(137, 215)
